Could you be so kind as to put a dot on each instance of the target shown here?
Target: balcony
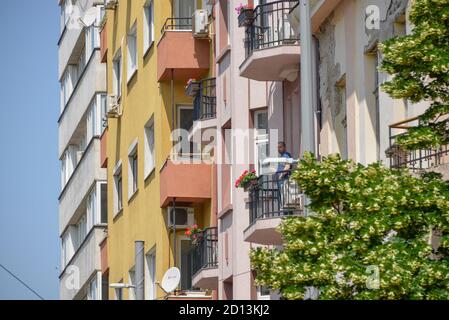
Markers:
(87, 171)
(274, 197)
(204, 261)
(180, 52)
(87, 261)
(415, 160)
(272, 46)
(104, 41)
(186, 178)
(91, 82)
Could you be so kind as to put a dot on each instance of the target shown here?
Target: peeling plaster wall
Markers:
(347, 58)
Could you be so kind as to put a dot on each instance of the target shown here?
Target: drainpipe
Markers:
(173, 113)
(139, 270)
(307, 107)
(174, 231)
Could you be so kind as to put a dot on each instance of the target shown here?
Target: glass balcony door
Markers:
(184, 10)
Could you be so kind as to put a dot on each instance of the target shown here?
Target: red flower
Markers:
(188, 232)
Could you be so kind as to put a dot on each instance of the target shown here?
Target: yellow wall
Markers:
(143, 97)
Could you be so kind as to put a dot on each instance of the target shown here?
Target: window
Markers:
(185, 264)
(118, 189)
(150, 275)
(81, 231)
(117, 74)
(132, 169)
(261, 141)
(92, 40)
(67, 249)
(93, 293)
(185, 122)
(263, 293)
(184, 9)
(132, 282)
(97, 205)
(150, 162)
(132, 51)
(148, 28)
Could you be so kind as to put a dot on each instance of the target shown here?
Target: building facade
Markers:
(82, 201)
(198, 93)
(151, 54)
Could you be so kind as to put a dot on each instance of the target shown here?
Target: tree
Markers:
(365, 218)
(420, 65)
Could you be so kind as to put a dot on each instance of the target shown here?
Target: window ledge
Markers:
(131, 76)
(149, 173)
(133, 196)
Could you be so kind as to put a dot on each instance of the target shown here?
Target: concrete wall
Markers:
(84, 266)
(83, 178)
(92, 82)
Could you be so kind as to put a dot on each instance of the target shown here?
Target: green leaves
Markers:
(419, 63)
(365, 218)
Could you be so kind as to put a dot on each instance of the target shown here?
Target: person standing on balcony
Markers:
(283, 169)
(282, 174)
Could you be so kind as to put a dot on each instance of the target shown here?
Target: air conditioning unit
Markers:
(200, 24)
(113, 107)
(110, 4)
(185, 217)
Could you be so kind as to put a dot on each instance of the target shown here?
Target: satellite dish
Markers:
(89, 17)
(171, 280)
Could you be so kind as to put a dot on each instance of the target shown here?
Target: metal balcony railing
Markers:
(275, 195)
(205, 102)
(420, 159)
(204, 251)
(270, 27)
(172, 24)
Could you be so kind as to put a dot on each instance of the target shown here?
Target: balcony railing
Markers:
(173, 24)
(204, 251)
(270, 27)
(205, 101)
(420, 159)
(275, 195)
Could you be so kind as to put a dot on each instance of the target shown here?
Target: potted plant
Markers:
(246, 15)
(247, 180)
(192, 88)
(194, 233)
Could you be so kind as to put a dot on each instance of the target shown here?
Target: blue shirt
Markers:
(281, 166)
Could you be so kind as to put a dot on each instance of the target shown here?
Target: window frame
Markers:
(118, 189)
(117, 74)
(133, 169)
(148, 27)
(132, 57)
(149, 148)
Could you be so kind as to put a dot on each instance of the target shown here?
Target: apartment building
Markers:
(229, 88)
(156, 191)
(258, 87)
(83, 197)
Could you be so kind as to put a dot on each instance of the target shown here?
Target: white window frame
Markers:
(259, 139)
(117, 70)
(148, 26)
(150, 157)
(118, 203)
(132, 57)
(94, 289)
(150, 275)
(133, 169)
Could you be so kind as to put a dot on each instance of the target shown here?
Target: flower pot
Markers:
(250, 184)
(246, 17)
(192, 89)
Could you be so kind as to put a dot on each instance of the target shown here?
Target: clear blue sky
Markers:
(29, 168)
